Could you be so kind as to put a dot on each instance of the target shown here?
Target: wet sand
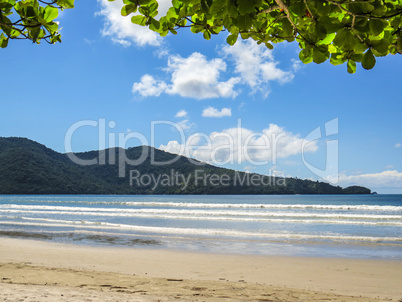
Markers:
(33, 270)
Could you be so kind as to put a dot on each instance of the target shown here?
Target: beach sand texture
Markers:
(41, 271)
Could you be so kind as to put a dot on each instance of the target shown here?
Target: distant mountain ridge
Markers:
(27, 167)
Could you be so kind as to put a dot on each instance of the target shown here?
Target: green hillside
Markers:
(27, 167)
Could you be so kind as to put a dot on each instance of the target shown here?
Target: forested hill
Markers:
(27, 167)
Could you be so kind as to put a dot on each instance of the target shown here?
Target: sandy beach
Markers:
(43, 271)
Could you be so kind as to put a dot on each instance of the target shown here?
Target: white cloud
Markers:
(296, 64)
(198, 78)
(161, 52)
(185, 124)
(239, 145)
(256, 64)
(148, 86)
(385, 179)
(397, 145)
(194, 77)
(176, 148)
(213, 112)
(122, 31)
(181, 113)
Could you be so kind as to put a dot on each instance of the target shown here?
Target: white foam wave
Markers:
(247, 213)
(267, 206)
(215, 218)
(202, 232)
(243, 206)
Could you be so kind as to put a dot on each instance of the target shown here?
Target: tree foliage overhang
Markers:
(338, 30)
(31, 19)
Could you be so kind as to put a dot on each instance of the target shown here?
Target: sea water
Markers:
(355, 226)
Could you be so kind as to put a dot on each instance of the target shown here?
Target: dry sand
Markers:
(42, 271)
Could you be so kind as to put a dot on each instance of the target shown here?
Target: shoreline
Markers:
(26, 263)
(309, 249)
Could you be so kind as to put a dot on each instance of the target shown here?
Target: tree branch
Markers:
(269, 10)
(286, 10)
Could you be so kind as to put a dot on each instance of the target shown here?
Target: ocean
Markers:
(351, 226)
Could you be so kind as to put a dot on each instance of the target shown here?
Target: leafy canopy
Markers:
(31, 19)
(338, 30)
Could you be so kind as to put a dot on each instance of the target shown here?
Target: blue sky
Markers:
(242, 107)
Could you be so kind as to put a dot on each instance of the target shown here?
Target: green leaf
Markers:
(337, 59)
(327, 40)
(361, 25)
(306, 55)
(245, 35)
(204, 6)
(207, 35)
(331, 25)
(171, 15)
(351, 66)
(287, 28)
(245, 6)
(357, 57)
(176, 3)
(51, 13)
(381, 47)
(320, 31)
(376, 26)
(232, 9)
(52, 26)
(155, 25)
(243, 22)
(323, 8)
(350, 41)
(269, 45)
(216, 30)
(34, 33)
(196, 29)
(66, 3)
(219, 8)
(346, 39)
(128, 9)
(399, 44)
(320, 55)
(368, 60)
(3, 41)
(340, 37)
(231, 39)
(139, 19)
